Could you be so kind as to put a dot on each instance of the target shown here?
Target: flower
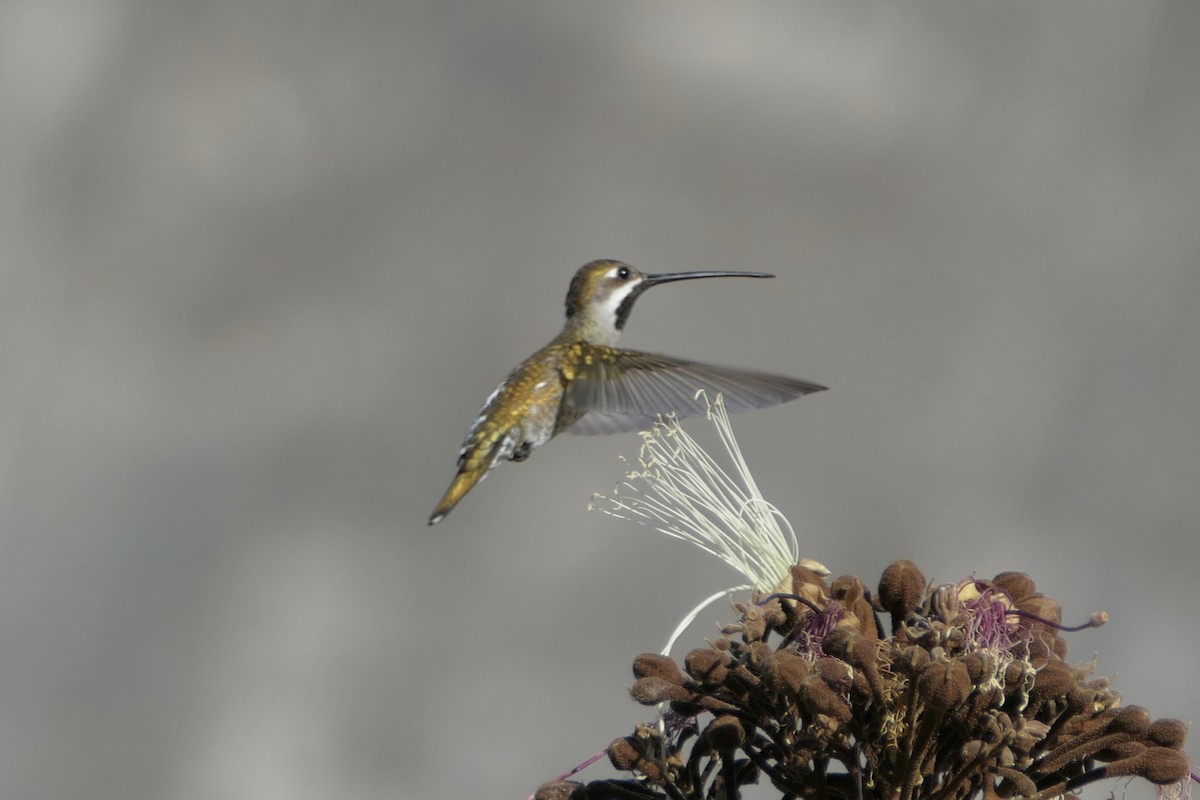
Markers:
(943, 708)
(966, 693)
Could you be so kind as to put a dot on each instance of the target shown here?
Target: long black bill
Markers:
(667, 277)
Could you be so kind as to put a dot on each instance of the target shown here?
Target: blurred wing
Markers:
(625, 390)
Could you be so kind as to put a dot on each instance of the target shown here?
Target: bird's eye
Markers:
(623, 273)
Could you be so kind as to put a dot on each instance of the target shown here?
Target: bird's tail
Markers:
(463, 482)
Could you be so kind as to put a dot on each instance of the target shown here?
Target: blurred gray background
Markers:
(263, 260)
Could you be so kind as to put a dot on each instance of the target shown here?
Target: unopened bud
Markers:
(901, 589)
(1159, 765)
(835, 672)
(1164, 766)
(1017, 585)
(707, 666)
(1053, 680)
(787, 671)
(818, 698)
(624, 754)
(649, 665)
(725, 734)
(980, 666)
(912, 659)
(944, 685)
(1134, 720)
(1167, 733)
(1041, 606)
(654, 690)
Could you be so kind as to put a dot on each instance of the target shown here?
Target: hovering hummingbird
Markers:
(581, 383)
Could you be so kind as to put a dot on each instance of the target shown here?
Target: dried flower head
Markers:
(965, 698)
(966, 693)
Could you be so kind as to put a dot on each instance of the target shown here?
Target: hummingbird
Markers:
(581, 383)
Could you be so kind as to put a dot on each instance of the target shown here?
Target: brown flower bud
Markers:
(864, 654)
(912, 660)
(1017, 585)
(944, 686)
(624, 753)
(1167, 733)
(818, 698)
(656, 665)
(1041, 606)
(837, 642)
(725, 734)
(639, 752)
(901, 589)
(1051, 681)
(1164, 765)
(980, 665)
(860, 652)
(654, 690)
(835, 672)
(1102, 732)
(1159, 765)
(786, 671)
(707, 666)
(1134, 720)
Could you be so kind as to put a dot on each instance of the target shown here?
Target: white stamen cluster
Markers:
(681, 491)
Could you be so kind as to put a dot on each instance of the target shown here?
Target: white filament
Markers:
(681, 491)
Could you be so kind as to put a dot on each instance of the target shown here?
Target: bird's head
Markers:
(603, 292)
